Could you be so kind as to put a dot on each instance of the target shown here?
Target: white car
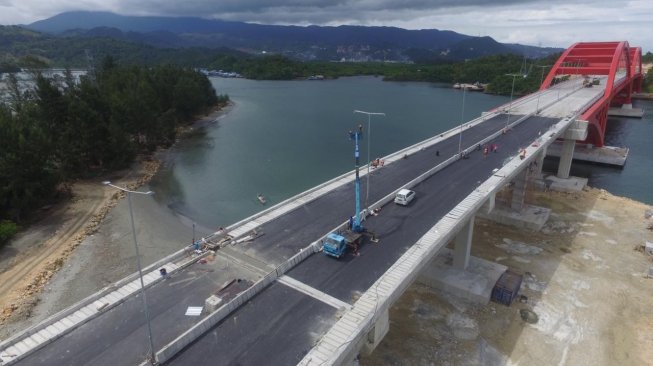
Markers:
(404, 197)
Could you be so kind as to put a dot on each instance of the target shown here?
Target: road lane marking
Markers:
(313, 292)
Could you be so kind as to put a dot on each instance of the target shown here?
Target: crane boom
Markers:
(357, 136)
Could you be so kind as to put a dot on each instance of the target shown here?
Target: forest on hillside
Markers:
(61, 130)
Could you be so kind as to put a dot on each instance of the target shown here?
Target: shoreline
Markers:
(64, 241)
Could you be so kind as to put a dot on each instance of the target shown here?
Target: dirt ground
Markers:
(584, 278)
(31, 259)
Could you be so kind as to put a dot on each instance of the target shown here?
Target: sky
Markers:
(553, 23)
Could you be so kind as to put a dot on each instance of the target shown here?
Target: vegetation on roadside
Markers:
(63, 129)
(7, 230)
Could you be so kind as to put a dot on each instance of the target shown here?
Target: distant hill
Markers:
(20, 46)
(352, 43)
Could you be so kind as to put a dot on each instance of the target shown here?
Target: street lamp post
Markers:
(537, 108)
(462, 119)
(369, 140)
(512, 90)
(138, 261)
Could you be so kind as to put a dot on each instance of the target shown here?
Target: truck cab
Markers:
(334, 245)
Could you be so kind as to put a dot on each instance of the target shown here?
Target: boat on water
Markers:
(471, 87)
(261, 199)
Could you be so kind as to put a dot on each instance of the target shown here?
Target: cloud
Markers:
(537, 22)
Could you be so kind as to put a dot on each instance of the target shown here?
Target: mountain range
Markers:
(350, 43)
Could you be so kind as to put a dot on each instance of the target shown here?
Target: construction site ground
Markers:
(585, 279)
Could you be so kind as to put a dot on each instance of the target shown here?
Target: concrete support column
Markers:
(463, 245)
(488, 206)
(566, 156)
(377, 333)
(519, 190)
(540, 162)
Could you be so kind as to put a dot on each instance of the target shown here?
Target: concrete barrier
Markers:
(186, 338)
(26, 333)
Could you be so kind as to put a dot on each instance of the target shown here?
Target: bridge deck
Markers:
(397, 227)
(293, 320)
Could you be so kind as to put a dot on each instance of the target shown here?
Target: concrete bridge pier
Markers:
(457, 273)
(562, 181)
(519, 190)
(376, 334)
(540, 162)
(517, 212)
(463, 245)
(566, 156)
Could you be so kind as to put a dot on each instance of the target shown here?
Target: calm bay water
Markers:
(636, 178)
(283, 137)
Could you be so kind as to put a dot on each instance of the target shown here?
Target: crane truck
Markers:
(335, 244)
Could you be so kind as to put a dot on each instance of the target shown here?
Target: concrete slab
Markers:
(608, 155)
(529, 217)
(474, 284)
(571, 184)
(626, 112)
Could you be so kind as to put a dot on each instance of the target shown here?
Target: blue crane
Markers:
(356, 136)
(335, 244)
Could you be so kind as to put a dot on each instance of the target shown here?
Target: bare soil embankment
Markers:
(35, 263)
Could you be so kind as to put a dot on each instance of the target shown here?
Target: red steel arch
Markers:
(617, 60)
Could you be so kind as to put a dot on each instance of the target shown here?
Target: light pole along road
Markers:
(138, 261)
(539, 92)
(462, 121)
(512, 91)
(369, 140)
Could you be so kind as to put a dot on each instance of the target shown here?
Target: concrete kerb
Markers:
(86, 318)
